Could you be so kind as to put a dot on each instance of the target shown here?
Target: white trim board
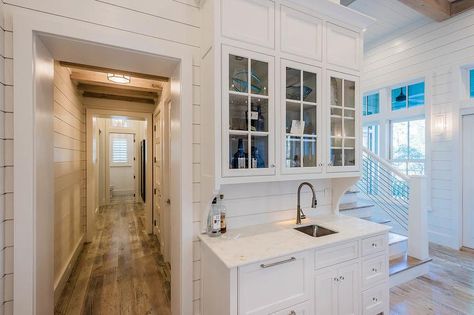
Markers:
(30, 255)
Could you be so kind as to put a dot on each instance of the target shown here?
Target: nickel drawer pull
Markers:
(278, 263)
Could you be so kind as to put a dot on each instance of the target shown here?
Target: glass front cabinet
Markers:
(247, 113)
(301, 118)
(344, 124)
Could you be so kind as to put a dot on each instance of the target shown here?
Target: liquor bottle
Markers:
(223, 212)
(240, 157)
(214, 220)
(257, 160)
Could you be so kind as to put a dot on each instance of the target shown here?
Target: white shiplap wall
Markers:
(437, 52)
(176, 22)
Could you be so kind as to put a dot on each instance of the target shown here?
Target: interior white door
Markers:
(467, 182)
(157, 175)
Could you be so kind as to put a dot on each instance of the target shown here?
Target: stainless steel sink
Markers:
(315, 230)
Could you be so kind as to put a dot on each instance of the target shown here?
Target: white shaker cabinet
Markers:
(245, 50)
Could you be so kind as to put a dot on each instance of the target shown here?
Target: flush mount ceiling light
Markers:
(118, 78)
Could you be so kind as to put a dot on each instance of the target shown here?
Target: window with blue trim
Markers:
(471, 83)
(408, 96)
(371, 104)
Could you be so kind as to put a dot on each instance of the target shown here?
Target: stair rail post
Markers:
(418, 246)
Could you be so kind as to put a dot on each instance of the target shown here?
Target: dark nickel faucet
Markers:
(299, 212)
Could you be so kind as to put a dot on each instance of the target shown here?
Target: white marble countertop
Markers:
(255, 243)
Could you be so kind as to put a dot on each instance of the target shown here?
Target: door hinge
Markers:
(154, 191)
(133, 195)
(133, 176)
(154, 222)
(134, 158)
(154, 159)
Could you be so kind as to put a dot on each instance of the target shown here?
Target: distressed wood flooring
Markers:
(447, 289)
(122, 271)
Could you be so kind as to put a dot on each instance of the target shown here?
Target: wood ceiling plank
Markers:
(461, 6)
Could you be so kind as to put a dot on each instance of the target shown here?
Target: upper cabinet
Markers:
(301, 33)
(251, 21)
(343, 47)
(301, 118)
(344, 126)
(279, 91)
(247, 113)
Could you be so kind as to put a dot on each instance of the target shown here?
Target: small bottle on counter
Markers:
(214, 220)
(223, 212)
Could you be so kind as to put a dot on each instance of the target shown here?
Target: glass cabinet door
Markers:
(343, 106)
(301, 113)
(247, 114)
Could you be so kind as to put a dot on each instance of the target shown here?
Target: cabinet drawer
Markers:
(374, 270)
(374, 244)
(275, 284)
(375, 300)
(337, 254)
(305, 308)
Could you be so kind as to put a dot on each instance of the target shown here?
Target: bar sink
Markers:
(315, 230)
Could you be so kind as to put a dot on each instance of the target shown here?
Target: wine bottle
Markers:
(240, 157)
(214, 220)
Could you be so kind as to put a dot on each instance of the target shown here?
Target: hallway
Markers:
(122, 271)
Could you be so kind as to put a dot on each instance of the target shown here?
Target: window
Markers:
(120, 123)
(408, 96)
(371, 104)
(120, 149)
(371, 138)
(471, 83)
(407, 146)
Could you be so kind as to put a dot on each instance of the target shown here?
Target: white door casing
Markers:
(467, 182)
(32, 295)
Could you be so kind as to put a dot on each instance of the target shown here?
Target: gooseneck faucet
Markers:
(299, 212)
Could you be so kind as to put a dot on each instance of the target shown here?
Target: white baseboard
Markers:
(409, 274)
(66, 273)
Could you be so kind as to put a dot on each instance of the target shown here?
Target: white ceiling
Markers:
(391, 15)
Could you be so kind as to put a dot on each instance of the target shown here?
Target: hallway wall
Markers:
(69, 175)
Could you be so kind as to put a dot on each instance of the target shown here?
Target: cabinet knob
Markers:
(375, 299)
(374, 245)
(374, 269)
(336, 279)
(292, 313)
(272, 165)
(341, 278)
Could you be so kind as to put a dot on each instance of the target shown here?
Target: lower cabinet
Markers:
(337, 290)
(275, 284)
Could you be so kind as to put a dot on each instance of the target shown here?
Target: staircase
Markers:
(382, 195)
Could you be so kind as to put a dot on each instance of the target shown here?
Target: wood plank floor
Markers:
(122, 271)
(447, 289)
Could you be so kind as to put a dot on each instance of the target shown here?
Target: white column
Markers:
(417, 218)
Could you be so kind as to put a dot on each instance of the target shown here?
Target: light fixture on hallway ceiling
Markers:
(401, 97)
(118, 78)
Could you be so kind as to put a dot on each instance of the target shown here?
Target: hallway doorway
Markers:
(34, 234)
(107, 259)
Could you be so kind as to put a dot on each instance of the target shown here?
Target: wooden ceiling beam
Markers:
(439, 10)
(118, 97)
(119, 92)
(97, 78)
(116, 71)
